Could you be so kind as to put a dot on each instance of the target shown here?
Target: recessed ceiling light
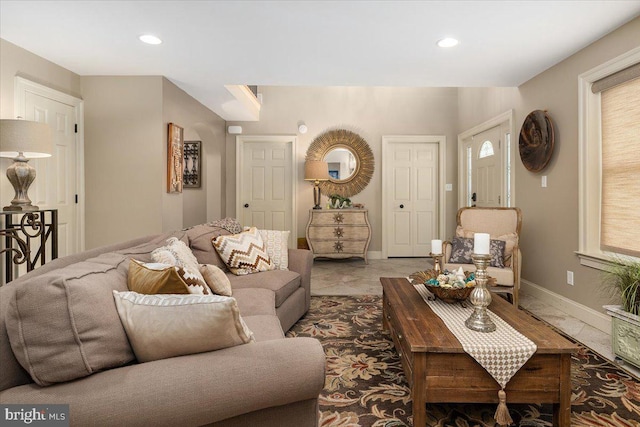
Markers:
(448, 42)
(150, 39)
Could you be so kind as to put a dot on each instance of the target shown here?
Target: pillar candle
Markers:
(481, 243)
(436, 247)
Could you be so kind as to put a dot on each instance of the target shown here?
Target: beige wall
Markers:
(371, 112)
(123, 158)
(199, 124)
(550, 215)
(15, 61)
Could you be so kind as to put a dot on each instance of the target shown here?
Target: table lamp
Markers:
(22, 140)
(316, 171)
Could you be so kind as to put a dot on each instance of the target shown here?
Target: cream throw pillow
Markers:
(163, 326)
(243, 253)
(277, 243)
(216, 279)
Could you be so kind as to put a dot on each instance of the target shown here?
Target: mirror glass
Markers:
(342, 164)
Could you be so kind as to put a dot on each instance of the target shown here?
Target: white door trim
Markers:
(290, 139)
(506, 117)
(21, 87)
(387, 141)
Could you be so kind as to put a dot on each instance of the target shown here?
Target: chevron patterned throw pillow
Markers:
(244, 253)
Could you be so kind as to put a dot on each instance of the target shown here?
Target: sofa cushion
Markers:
(163, 326)
(200, 241)
(64, 325)
(243, 253)
(255, 301)
(216, 279)
(264, 327)
(282, 282)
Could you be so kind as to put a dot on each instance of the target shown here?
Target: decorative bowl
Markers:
(449, 295)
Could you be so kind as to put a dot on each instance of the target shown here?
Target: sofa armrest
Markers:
(190, 390)
(300, 261)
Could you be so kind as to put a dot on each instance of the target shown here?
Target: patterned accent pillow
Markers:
(462, 249)
(163, 326)
(510, 239)
(158, 278)
(177, 253)
(216, 279)
(243, 253)
(277, 247)
(230, 224)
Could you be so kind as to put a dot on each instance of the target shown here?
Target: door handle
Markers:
(401, 206)
(246, 205)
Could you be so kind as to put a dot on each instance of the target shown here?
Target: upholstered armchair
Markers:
(503, 225)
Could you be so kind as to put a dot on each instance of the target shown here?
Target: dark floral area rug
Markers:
(365, 385)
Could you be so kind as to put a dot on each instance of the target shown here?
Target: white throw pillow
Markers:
(163, 326)
(277, 243)
(177, 253)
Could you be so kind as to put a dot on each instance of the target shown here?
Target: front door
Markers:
(412, 202)
(56, 184)
(266, 184)
(486, 170)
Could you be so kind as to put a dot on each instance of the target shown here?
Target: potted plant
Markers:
(623, 278)
(336, 201)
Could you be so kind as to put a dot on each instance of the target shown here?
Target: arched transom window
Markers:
(486, 150)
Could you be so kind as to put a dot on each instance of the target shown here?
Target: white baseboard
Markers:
(581, 312)
(374, 254)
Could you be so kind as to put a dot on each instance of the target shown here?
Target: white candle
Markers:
(481, 243)
(436, 247)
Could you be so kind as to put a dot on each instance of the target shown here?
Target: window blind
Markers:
(620, 218)
(622, 76)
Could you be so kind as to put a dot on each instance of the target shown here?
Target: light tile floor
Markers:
(354, 277)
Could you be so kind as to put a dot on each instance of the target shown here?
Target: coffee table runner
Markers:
(501, 353)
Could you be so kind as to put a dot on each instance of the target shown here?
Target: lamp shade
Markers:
(32, 139)
(316, 170)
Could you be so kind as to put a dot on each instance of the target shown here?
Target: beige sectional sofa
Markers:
(63, 320)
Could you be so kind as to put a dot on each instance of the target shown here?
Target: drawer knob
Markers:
(401, 206)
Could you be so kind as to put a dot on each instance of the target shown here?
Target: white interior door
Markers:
(265, 182)
(56, 183)
(486, 168)
(412, 202)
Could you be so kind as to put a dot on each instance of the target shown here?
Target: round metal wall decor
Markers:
(364, 161)
(536, 141)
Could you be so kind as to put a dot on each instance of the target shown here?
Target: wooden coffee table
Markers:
(438, 369)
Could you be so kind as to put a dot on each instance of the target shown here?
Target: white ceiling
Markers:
(209, 44)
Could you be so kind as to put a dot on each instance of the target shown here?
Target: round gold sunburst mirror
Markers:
(350, 161)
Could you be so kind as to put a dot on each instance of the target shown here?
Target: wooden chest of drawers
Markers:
(339, 233)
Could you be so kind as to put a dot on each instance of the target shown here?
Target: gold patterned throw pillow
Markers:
(158, 278)
(243, 253)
